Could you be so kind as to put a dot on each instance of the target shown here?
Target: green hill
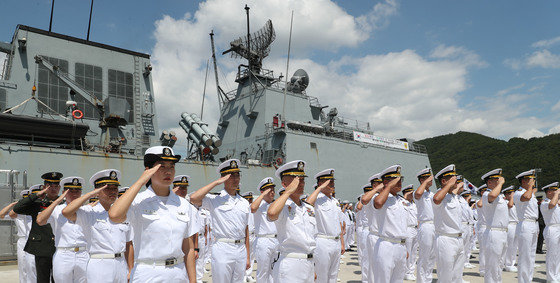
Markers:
(475, 154)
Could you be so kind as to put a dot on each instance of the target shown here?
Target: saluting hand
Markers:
(324, 185)
(43, 191)
(62, 196)
(292, 187)
(429, 181)
(223, 179)
(148, 173)
(501, 180)
(96, 192)
(393, 182)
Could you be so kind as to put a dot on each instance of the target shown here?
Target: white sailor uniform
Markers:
(71, 258)
(26, 261)
(411, 236)
(327, 253)
(159, 225)
(106, 244)
(426, 238)
(230, 217)
(449, 241)
(372, 237)
(511, 253)
(480, 228)
(297, 231)
(551, 235)
(495, 236)
(467, 222)
(527, 232)
(203, 240)
(389, 252)
(266, 245)
(362, 232)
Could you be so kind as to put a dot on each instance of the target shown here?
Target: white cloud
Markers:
(530, 133)
(458, 54)
(546, 42)
(556, 106)
(544, 59)
(402, 93)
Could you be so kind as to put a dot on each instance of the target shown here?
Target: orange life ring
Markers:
(279, 161)
(78, 114)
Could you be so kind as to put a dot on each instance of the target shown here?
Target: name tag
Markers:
(150, 212)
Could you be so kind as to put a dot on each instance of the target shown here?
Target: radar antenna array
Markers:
(255, 47)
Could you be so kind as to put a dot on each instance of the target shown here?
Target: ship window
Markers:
(91, 79)
(53, 91)
(120, 86)
(2, 100)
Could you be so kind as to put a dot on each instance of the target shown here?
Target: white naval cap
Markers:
(552, 186)
(408, 188)
(508, 189)
(105, 177)
(181, 180)
(391, 172)
(449, 170)
(247, 195)
(466, 193)
(292, 168)
(157, 153)
(36, 188)
(526, 174)
(325, 174)
(375, 178)
(481, 188)
(303, 197)
(492, 174)
(367, 187)
(24, 193)
(73, 182)
(459, 178)
(229, 166)
(426, 172)
(266, 183)
(281, 192)
(122, 190)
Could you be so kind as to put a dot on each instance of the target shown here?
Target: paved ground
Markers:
(349, 271)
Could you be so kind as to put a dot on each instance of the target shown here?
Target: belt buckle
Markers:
(237, 241)
(117, 255)
(460, 234)
(170, 261)
(403, 241)
(309, 256)
(337, 237)
(76, 249)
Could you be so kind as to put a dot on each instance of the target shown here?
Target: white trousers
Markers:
(481, 245)
(362, 237)
(511, 253)
(142, 273)
(228, 262)
(293, 270)
(266, 251)
(26, 263)
(426, 252)
(327, 260)
(449, 256)
(252, 239)
(552, 237)
(70, 266)
(371, 241)
(412, 250)
(527, 232)
(349, 236)
(495, 249)
(467, 235)
(201, 258)
(107, 270)
(389, 262)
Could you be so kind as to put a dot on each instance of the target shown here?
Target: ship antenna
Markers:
(287, 68)
(221, 95)
(50, 23)
(89, 24)
(204, 92)
(248, 37)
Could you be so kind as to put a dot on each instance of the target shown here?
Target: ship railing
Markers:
(347, 135)
(271, 82)
(353, 124)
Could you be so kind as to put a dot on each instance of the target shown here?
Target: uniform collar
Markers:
(172, 197)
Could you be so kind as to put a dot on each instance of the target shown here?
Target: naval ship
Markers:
(76, 106)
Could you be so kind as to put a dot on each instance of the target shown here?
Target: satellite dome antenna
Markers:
(253, 47)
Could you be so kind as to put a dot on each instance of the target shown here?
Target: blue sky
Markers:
(412, 68)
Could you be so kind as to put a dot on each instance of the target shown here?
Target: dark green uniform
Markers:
(41, 239)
